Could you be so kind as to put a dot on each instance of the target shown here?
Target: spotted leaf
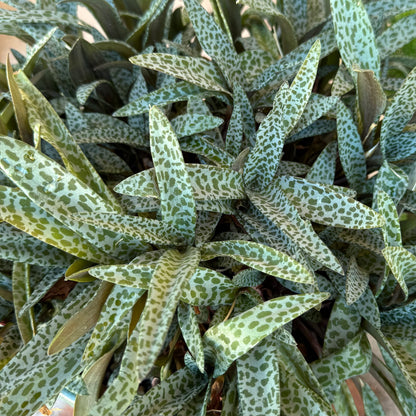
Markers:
(208, 182)
(320, 204)
(372, 405)
(235, 337)
(198, 71)
(352, 360)
(398, 114)
(188, 324)
(274, 204)
(351, 152)
(323, 169)
(214, 41)
(171, 274)
(355, 36)
(356, 281)
(193, 123)
(259, 257)
(168, 94)
(391, 229)
(259, 367)
(41, 114)
(177, 204)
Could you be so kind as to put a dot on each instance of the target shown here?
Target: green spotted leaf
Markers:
(398, 114)
(372, 405)
(171, 274)
(391, 229)
(323, 169)
(193, 123)
(170, 395)
(356, 281)
(355, 36)
(198, 71)
(177, 204)
(168, 94)
(344, 402)
(351, 152)
(21, 212)
(259, 366)
(10, 344)
(214, 41)
(274, 204)
(259, 257)
(208, 182)
(85, 91)
(235, 337)
(320, 204)
(352, 360)
(188, 324)
(41, 114)
(402, 264)
(116, 308)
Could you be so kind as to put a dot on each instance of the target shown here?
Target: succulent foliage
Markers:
(208, 212)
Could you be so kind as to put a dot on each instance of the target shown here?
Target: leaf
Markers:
(54, 131)
(172, 272)
(352, 360)
(172, 393)
(81, 322)
(179, 91)
(10, 343)
(235, 337)
(188, 324)
(177, 204)
(372, 405)
(198, 71)
(398, 114)
(288, 106)
(214, 41)
(343, 325)
(323, 169)
(84, 91)
(208, 182)
(401, 146)
(356, 281)
(193, 123)
(344, 401)
(276, 207)
(321, 204)
(355, 36)
(21, 291)
(259, 366)
(351, 152)
(22, 213)
(396, 35)
(391, 229)
(259, 257)
(403, 266)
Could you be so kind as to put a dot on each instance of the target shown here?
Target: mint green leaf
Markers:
(21, 290)
(398, 114)
(116, 308)
(319, 203)
(205, 146)
(206, 223)
(170, 395)
(323, 169)
(355, 36)
(372, 405)
(248, 278)
(171, 274)
(208, 182)
(253, 62)
(235, 129)
(259, 366)
(198, 71)
(391, 229)
(214, 41)
(274, 204)
(343, 325)
(235, 337)
(401, 146)
(351, 152)
(259, 257)
(392, 180)
(396, 35)
(189, 326)
(402, 264)
(177, 204)
(343, 401)
(84, 91)
(54, 131)
(179, 91)
(352, 360)
(356, 281)
(193, 123)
